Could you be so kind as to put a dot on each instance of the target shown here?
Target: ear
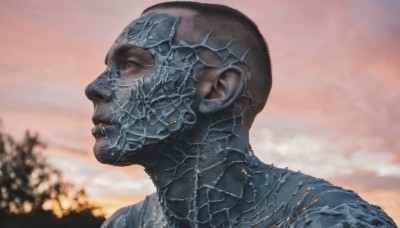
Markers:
(220, 88)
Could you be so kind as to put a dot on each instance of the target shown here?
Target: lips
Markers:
(97, 119)
(101, 126)
(99, 130)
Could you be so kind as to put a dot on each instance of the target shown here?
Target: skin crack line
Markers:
(181, 89)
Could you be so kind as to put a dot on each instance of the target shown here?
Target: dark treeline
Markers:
(34, 194)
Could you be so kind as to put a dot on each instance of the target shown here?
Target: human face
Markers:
(144, 97)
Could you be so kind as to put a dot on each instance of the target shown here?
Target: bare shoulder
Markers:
(146, 213)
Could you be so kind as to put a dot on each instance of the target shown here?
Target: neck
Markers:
(206, 180)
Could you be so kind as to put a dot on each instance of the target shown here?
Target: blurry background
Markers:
(333, 111)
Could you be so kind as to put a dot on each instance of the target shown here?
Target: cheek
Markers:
(123, 94)
(132, 88)
(132, 104)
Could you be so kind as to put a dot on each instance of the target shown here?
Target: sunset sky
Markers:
(333, 111)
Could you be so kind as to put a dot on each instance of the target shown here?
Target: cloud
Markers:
(368, 180)
(99, 179)
(336, 73)
(42, 96)
(316, 156)
(362, 113)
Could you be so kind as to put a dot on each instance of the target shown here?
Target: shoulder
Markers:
(299, 200)
(332, 206)
(348, 211)
(146, 213)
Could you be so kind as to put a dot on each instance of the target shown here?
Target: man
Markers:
(182, 87)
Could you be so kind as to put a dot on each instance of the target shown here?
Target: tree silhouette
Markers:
(34, 194)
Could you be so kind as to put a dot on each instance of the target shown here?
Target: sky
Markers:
(332, 113)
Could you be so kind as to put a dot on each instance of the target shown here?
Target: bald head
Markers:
(223, 25)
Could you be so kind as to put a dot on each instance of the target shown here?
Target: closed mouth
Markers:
(100, 129)
(99, 120)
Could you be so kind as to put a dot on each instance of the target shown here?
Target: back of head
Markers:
(246, 41)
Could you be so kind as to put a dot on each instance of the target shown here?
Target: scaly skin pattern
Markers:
(216, 181)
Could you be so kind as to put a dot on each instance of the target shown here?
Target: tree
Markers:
(31, 188)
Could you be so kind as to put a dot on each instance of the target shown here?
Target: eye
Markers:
(129, 67)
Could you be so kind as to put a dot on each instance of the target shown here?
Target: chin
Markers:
(111, 155)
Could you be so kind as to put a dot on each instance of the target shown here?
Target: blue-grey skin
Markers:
(216, 181)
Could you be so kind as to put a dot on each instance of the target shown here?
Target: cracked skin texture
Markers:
(290, 199)
(208, 177)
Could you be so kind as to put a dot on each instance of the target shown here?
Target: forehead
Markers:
(154, 28)
(151, 30)
(148, 31)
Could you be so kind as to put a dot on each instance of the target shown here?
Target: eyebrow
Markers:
(124, 48)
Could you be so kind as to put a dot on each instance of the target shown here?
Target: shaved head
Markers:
(226, 25)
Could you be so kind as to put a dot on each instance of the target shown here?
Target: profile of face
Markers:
(144, 98)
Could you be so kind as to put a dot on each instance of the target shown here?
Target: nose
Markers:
(99, 90)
